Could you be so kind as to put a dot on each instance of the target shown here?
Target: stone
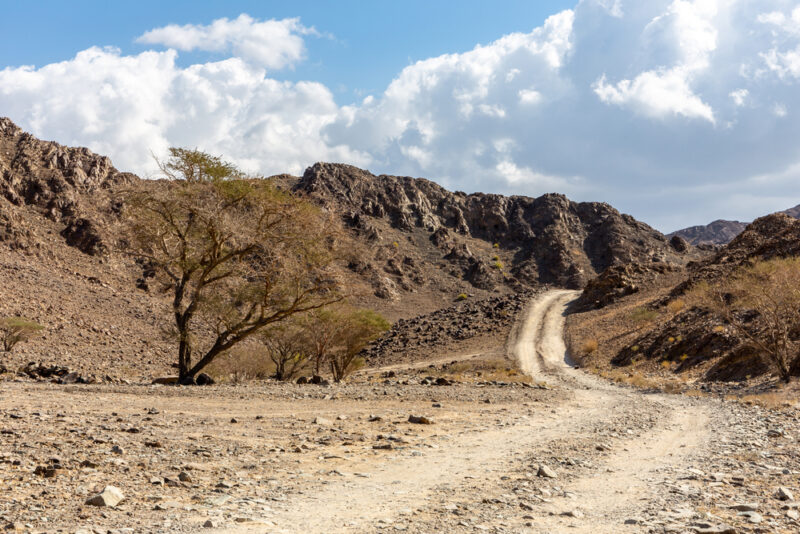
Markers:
(210, 523)
(752, 517)
(784, 494)
(419, 420)
(110, 497)
(745, 507)
(116, 449)
(183, 476)
(204, 380)
(322, 421)
(546, 472)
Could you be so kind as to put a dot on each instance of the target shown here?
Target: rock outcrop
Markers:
(553, 239)
(53, 179)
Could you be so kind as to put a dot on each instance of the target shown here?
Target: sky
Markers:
(675, 111)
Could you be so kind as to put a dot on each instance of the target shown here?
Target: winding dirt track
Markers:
(618, 485)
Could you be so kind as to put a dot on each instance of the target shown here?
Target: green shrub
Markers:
(14, 330)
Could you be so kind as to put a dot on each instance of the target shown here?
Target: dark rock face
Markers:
(54, 179)
(773, 236)
(554, 240)
(719, 232)
(619, 281)
(441, 328)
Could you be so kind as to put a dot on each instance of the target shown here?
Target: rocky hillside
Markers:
(640, 316)
(548, 239)
(720, 232)
(416, 248)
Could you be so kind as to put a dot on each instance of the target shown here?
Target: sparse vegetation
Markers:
(589, 346)
(761, 302)
(237, 254)
(355, 329)
(676, 306)
(14, 330)
(288, 346)
(643, 316)
(462, 296)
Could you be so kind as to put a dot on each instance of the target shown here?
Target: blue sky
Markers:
(362, 46)
(675, 111)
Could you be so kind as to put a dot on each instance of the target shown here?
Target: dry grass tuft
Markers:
(589, 346)
(676, 306)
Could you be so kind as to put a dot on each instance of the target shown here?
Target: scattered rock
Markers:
(110, 497)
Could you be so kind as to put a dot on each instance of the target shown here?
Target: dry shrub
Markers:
(242, 364)
(771, 401)
(676, 306)
(589, 346)
(673, 388)
(643, 316)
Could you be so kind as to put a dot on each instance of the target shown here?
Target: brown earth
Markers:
(580, 456)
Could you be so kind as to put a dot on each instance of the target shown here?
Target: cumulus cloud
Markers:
(673, 110)
(130, 107)
(273, 44)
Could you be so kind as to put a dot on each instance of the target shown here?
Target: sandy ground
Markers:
(580, 456)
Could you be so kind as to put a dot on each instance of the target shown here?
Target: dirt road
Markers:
(643, 438)
(576, 455)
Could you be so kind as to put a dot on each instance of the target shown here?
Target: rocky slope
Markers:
(549, 239)
(416, 248)
(659, 330)
(720, 232)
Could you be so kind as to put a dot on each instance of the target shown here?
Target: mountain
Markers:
(720, 232)
(544, 240)
(416, 248)
(676, 335)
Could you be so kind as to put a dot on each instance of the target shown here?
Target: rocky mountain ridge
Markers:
(550, 239)
(720, 232)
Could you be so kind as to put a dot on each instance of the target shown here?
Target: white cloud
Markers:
(739, 96)
(656, 94)
(665, 108)
(529, 96)
(686, 28)
(130, 106)
(273, 44)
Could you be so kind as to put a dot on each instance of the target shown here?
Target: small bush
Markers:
(589, 346)
(635, 348)
(666, 364)
(15, 330)
(719, 329)
(676, 306)
(684, 357)
(498, 265)
(462, 296)
(496, 245)
(643, 316)
(242, 364)
(671, 339)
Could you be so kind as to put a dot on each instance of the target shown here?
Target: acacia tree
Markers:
(353, 330)
(236, 253)
(288, 347)
(14, 330)
(761, 302)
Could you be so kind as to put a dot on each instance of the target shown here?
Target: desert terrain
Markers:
(562, 451)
